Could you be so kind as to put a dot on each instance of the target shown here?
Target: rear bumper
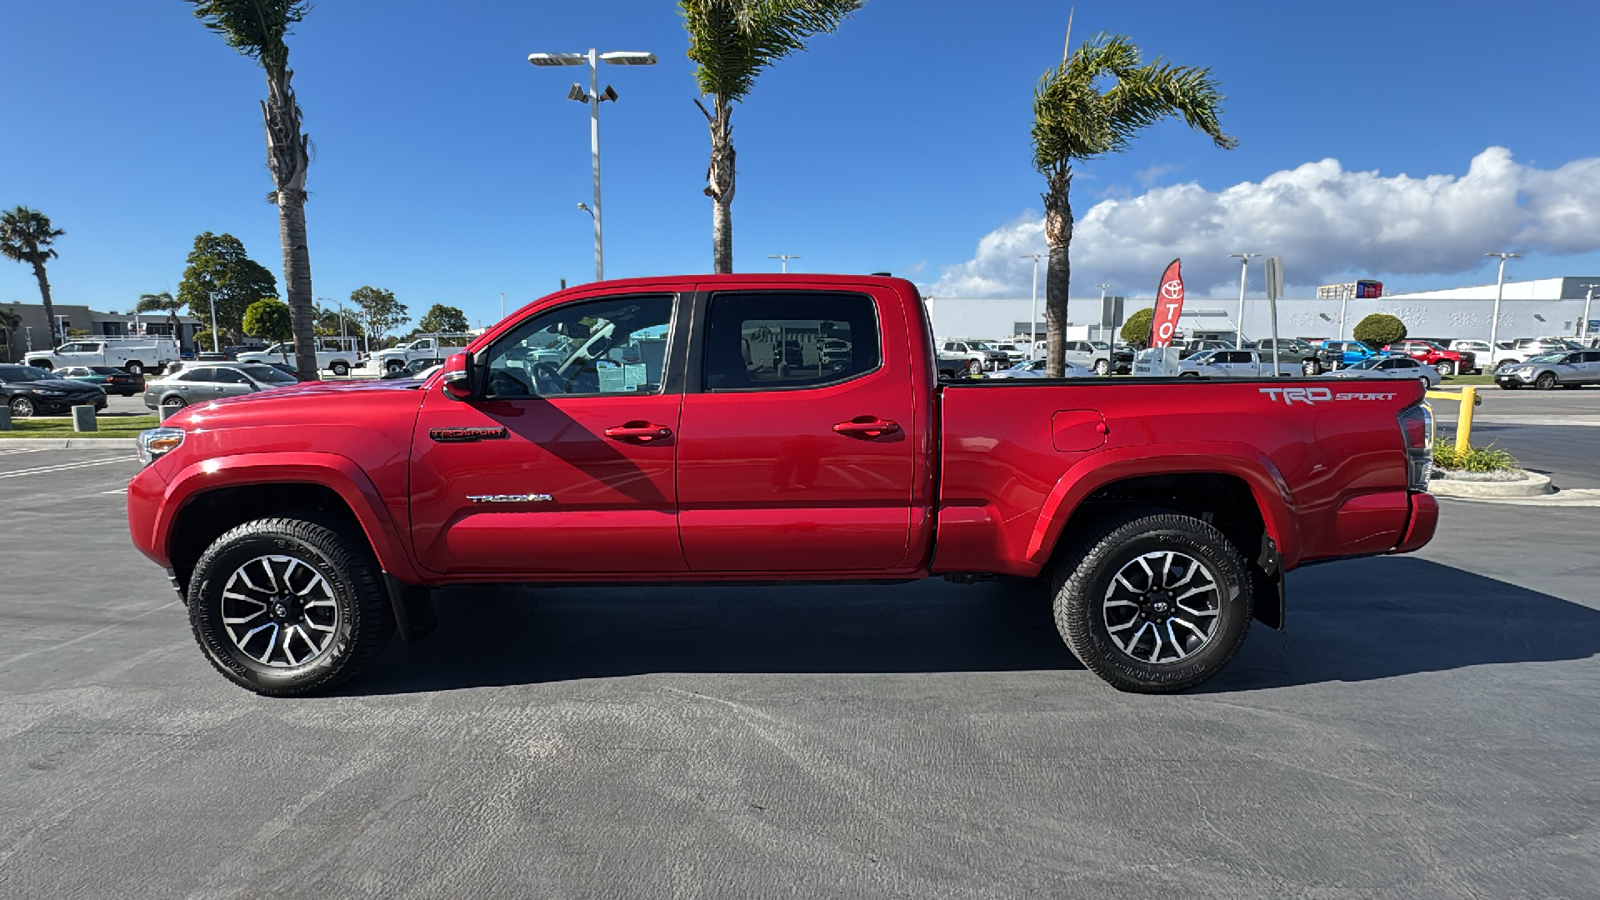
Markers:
(1420, 524)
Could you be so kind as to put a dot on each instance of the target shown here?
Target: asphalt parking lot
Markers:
(1427, 727)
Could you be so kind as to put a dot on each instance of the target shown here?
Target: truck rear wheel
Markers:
(394, 365)
(340, 368)
(1153, 602)
(1102, 367)
(134, 367)
(288, 606)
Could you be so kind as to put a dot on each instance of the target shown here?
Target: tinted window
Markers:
(229, 376)
(267, 375)
(789, 340)
(205, 373)
(22, 373)
(613, 346)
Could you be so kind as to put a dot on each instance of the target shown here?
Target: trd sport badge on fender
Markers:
(466, 435)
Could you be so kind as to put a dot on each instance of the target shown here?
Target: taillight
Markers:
(1416, 427)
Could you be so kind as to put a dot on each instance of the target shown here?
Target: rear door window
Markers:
(761, 341)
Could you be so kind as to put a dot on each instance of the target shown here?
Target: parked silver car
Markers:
(199, 383)
(1545, 371)
(1035, 369)
(1390, 367)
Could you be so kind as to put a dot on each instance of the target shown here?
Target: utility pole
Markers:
(785, 257)
(1499, 291)
(502, 305)
(1103, 288)
(1244, 270)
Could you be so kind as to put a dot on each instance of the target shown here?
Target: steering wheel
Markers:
(544, 373)
(506, 383)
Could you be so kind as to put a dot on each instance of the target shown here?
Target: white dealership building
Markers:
(1537, 308)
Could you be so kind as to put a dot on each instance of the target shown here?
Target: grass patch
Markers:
(1473, 459)
(110, 427)
(1468, 379)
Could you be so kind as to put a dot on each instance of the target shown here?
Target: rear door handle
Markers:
(640, 432)
(867, 426)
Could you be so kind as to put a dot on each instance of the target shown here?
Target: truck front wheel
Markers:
(1153, 603)
(288, 606)
(394, 365)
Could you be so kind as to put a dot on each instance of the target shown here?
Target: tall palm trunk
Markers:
(287, 159)
(56, 337)
(1058, 275)
(719, 184)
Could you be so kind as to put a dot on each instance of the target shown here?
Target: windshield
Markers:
(23, 373)
(268, 375)
(1547, 357)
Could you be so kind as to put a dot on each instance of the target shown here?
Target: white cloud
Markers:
(1328, 224)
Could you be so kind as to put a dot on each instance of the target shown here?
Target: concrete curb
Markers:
(1534, 485)
(69, 444)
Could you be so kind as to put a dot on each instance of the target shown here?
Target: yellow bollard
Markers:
(1469, 399)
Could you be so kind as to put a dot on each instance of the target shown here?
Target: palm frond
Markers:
(26, 235)
(1075, 119)
(255, 28)
(732, 41)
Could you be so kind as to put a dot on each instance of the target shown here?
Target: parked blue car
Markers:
(1351, 352)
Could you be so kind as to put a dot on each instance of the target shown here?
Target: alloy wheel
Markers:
(1162, 607)
(21, 407)
(279, 611)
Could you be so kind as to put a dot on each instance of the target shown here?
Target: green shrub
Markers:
(1379, 329)
(1474, 459)
(1136, 329)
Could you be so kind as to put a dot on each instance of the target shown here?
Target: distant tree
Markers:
(10, 321)
(163, 302)
(441, 319)
(731, 42)
(1136, 328)
(380, 311)
(1091, 105)
(219, 271)
(202, 338)
(257, 28)
(26, 237)
(269, 320)
(1379, 329)
(332, 323)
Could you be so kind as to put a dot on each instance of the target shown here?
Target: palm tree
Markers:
(256, 28)
(26, 236)
(732, 41)
(10, 321)
(163, 302)
(1073, 119)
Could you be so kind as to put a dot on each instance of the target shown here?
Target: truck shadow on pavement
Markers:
(1354, 621)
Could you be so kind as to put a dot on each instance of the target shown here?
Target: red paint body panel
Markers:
(760, 485)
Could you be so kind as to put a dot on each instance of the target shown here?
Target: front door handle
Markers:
(641, 432)
(867, 427)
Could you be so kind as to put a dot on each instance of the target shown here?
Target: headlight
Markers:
(158, 442)
(49, 392)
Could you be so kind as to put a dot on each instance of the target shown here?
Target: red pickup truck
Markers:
(765, 428)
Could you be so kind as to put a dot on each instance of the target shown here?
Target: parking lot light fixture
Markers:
(1033, 314)
(1588, 301)
(1499, 291)
(1244, 270)
(593, 96)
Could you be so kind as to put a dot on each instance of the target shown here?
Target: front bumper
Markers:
(1518, 377)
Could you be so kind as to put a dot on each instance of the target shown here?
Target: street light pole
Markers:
(593, 96)
(1103, 288)
(215, 348)
(1499, 291)
(1244, 271)
(785, 257)
(1033, 311)
(1588, 300)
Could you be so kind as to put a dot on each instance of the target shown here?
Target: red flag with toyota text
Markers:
(1169, 306)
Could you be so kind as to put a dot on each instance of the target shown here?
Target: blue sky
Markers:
(448, 169)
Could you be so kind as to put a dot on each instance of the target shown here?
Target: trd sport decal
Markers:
(466, 435)
(1293, 395)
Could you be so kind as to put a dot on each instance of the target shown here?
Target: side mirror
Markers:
(456, 378)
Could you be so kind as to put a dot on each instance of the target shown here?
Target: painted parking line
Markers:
(13, 451)
(63, 467)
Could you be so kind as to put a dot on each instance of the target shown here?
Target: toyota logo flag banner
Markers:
(1169, 306)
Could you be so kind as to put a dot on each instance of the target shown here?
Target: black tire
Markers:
(134, 367)
(1545, 381)
(1445, 368)
(1102, 367)
(174, 401)
(974, 367)
(1310, 367)
(394, 366)
(340, 368)
(354, 628)
(1086, 580)
(1195, 375)
(23, 408)
(44, 364)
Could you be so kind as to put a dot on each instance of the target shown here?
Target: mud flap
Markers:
(413, 608)
(1266, 579)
